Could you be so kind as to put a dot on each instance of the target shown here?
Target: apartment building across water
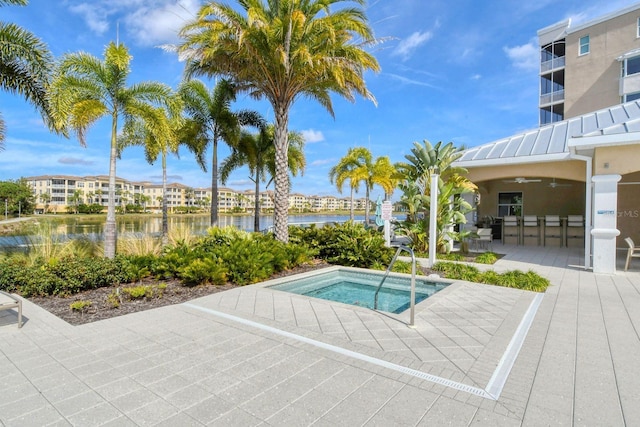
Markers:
(55, 193)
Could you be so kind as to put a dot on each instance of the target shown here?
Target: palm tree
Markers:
(158, 139)
(258, 152)
(46, 199)
(352, 167)
(281, 51)
(85, 89)
(426, 159)
(211, 121)
(24, 66)
(384, 174)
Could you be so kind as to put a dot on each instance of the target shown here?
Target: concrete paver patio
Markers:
(256, 356)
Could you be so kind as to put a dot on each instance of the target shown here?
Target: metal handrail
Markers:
(413, 280)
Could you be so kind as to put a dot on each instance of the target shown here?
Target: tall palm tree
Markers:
(85, 89)
(281, 51)
(158, 139)
(24, 66)
(212, 121)
(257, 151)
(353, 168)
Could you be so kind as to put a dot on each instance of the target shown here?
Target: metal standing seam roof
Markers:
(552, 140)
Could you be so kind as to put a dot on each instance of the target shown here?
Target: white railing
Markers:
(552, 64)
(549, 98)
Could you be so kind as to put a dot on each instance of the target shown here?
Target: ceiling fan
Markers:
(554, 184)
(522, 180)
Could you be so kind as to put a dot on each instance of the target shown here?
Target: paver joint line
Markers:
(495, 384)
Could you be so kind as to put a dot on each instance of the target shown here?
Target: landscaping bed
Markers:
(172, 292)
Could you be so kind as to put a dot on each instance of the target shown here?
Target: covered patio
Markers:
(582, 171)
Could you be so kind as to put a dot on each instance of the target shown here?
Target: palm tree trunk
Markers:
(110, 226)
(366, 204)
(214, 184)
(256, 204)
(352, 215)
(165, 214)
(281, 206)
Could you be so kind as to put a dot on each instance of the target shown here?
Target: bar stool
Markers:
(510, 228)
(530, 228)
(552, 228)
(575, 228)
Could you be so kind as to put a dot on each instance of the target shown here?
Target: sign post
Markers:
(387, 214)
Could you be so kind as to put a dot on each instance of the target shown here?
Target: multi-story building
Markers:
(55, 193)
(590, 66)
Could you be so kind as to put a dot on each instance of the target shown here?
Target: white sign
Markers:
(387, 210)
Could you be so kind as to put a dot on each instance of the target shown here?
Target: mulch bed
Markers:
(174, 293)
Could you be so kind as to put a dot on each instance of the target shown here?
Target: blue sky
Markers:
(451, 70)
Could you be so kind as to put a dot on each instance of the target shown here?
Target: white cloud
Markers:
(476, 77)
(149, 22)
(321, 162)
(525, 57)
(311, 136)
(160, 23)
(94, 16)
(407, 46)
(406, 80)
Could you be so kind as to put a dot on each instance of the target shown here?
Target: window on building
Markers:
(584, 45)
(638, 28)
(631, 66)
(631, 97)
(510, 204)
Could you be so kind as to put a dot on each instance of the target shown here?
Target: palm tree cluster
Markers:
(274, 50)
(282, 50)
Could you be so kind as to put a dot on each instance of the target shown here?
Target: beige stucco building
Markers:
(55, 193)
(591, 66)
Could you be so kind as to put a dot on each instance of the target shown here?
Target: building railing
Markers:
(552, 64)
(550, 98)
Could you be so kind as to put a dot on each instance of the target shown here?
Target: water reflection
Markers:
(92, 228)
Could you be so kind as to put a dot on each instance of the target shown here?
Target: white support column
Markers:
(433, 213)
(604, 232)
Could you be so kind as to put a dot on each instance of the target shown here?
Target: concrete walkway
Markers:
(478, 355)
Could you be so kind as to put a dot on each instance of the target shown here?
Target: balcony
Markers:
(553, 97)
(552, 64)
(630, 84)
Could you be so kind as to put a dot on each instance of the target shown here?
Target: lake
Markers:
(76, 226)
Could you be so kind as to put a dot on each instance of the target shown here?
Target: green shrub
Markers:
(113, 299)
(247, 262)
(529, 281)
(486, 258)
(80, 306)
(78, 274)
(138, 292)
(201, 271)
(346, 244)
(452, 256)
